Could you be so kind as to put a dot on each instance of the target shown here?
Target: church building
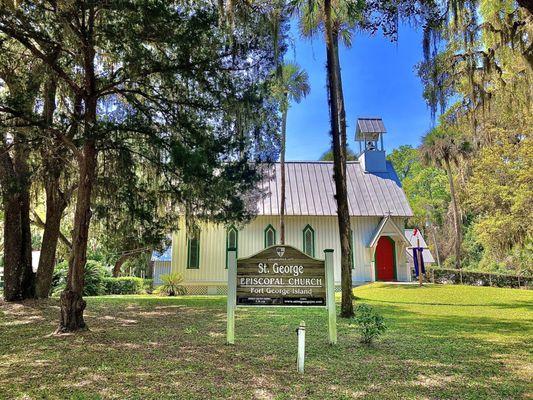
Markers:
(378, 211)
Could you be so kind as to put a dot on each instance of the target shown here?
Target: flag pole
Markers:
(419, 258)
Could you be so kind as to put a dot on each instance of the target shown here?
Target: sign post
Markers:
(330, 291)
(232, 294)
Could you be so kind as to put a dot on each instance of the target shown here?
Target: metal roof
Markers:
(310, 191)
(370, 125)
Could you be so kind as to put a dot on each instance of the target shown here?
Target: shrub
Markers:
(369, 324)
(124, 285)
(148, 285)
(95, 273)
(171, 285)
(479, 278)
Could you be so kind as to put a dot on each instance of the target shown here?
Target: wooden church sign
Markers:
(281, 276)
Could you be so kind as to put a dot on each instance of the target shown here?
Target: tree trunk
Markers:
(28, 277)
(20, 162)
(346, 262)
(282, 171)
(55, 200)
(15, 181)
(456, 219)
(339, 167)
(436, 245)
(340, 98)
(37, 221)
(126, 256)
(72, 306)
(118, 264)
(13, 264)
(18, 274)
(54, 212)
(72, 303)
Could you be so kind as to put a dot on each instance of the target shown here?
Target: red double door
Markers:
(385, 259)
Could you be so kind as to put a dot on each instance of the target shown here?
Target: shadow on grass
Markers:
(517, 303)
(176, 349)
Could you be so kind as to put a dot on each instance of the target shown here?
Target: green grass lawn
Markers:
(453, 342)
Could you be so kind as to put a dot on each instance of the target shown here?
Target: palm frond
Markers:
(171, 285)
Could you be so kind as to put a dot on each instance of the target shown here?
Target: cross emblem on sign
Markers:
(280, 251)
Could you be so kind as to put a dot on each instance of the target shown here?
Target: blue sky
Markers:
(379, 79)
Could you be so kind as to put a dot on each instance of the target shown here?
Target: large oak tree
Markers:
(162, 82)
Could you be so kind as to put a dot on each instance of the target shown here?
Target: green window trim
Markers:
(193, 254)
(308, 228)
(229, 245)
(267, 229)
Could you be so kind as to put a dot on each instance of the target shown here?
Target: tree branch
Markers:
(37, 221)
(25, 41)
(40, 123)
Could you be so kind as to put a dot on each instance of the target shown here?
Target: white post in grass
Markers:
(301, 347)
(330, 297)
(232, 295)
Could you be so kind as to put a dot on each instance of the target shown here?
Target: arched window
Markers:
(193, 250)
(309, 241)
(270, 236)
(232, 241)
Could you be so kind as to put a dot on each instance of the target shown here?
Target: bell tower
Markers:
(369, 133)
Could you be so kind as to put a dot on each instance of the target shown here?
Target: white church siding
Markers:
(212, 271)
(402, 269)
(377, 205)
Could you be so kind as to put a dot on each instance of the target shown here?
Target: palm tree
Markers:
(345, 16)
(292, 85)
(336, 18)
(171, 285)
(442, 147)
(338, 133)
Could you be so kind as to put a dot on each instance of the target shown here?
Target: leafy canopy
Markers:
(426, 187)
